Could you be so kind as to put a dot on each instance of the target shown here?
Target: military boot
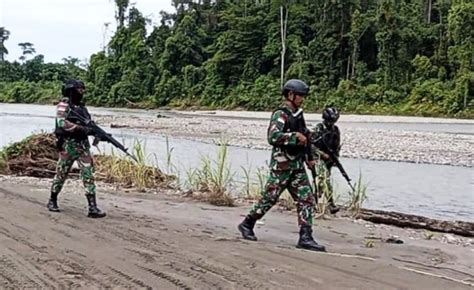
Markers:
(246, 228)
(53, 202)
(94, 211)
(333, 208)
(306, 240)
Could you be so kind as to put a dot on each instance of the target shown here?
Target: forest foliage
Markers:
(365, 56)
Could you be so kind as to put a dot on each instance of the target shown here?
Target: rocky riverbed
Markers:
(248, 129)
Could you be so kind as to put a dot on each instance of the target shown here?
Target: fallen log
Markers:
(403, 220)
(118, 126)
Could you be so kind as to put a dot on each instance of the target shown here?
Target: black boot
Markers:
(246, 228)
(94, 211)
(306, 240)
(53, 202)
(333, 208)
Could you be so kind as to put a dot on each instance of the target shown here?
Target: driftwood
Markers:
(37, 156)
(462, 228)
(118, 126)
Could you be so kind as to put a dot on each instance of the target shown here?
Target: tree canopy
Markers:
(386, 56)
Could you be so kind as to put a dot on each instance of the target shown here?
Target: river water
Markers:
(438, 191)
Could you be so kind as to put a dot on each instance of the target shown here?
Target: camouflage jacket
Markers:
(286, 153)
(66, 126)
(324, 138)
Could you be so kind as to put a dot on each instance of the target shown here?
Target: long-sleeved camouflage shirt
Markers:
(323, 138)
(64, 125)
(281, 138)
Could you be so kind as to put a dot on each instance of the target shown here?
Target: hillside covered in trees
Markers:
(366, 56)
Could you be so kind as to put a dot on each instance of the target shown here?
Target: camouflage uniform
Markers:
(324, 137)
(287, 133)
(287, 171)
(73, 146)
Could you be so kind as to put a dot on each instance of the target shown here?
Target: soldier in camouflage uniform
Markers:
(326, 136)
(73, 145)
(287, 133)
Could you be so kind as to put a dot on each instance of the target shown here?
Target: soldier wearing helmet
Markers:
(287, 133)
(326, 136)
(73, 145)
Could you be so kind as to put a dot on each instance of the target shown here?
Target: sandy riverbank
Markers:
(164, 240)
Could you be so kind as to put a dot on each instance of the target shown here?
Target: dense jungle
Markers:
(363, 56)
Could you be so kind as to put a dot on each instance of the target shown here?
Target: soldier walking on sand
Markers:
(288, 135)
(326, 136)
(73, 145)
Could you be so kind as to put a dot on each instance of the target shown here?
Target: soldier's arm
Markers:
(276, 136)
(62, 112)
(316, 134)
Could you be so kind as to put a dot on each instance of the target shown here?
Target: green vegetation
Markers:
(357, 197)
(389, 57)
(213, 179)
(254, 182)
(128, 173)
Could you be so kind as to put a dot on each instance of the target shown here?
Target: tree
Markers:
(461, 28)
(183, 47)
(389, 41)
(122, 6)
(404, 57)
(4, 35)
(283, 27)
(27, 48)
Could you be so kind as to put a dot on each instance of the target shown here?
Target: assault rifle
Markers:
(100, 133)
(339, 166)
(334, 159)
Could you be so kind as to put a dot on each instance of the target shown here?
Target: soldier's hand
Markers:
(302, 140)
(325, 156)
(311, 163)
(86, 130)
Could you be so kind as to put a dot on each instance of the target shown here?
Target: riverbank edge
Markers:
(374, 216)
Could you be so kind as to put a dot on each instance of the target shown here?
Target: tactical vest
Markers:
(330, 140)
(294, 124)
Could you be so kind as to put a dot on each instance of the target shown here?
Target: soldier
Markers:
(73, 145)
(326, 136)
(286, 133)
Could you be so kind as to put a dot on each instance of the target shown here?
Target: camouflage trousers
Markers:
(73, 150)
(297, 183)
(323, 180)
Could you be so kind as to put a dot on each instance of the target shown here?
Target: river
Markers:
(438, 191)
